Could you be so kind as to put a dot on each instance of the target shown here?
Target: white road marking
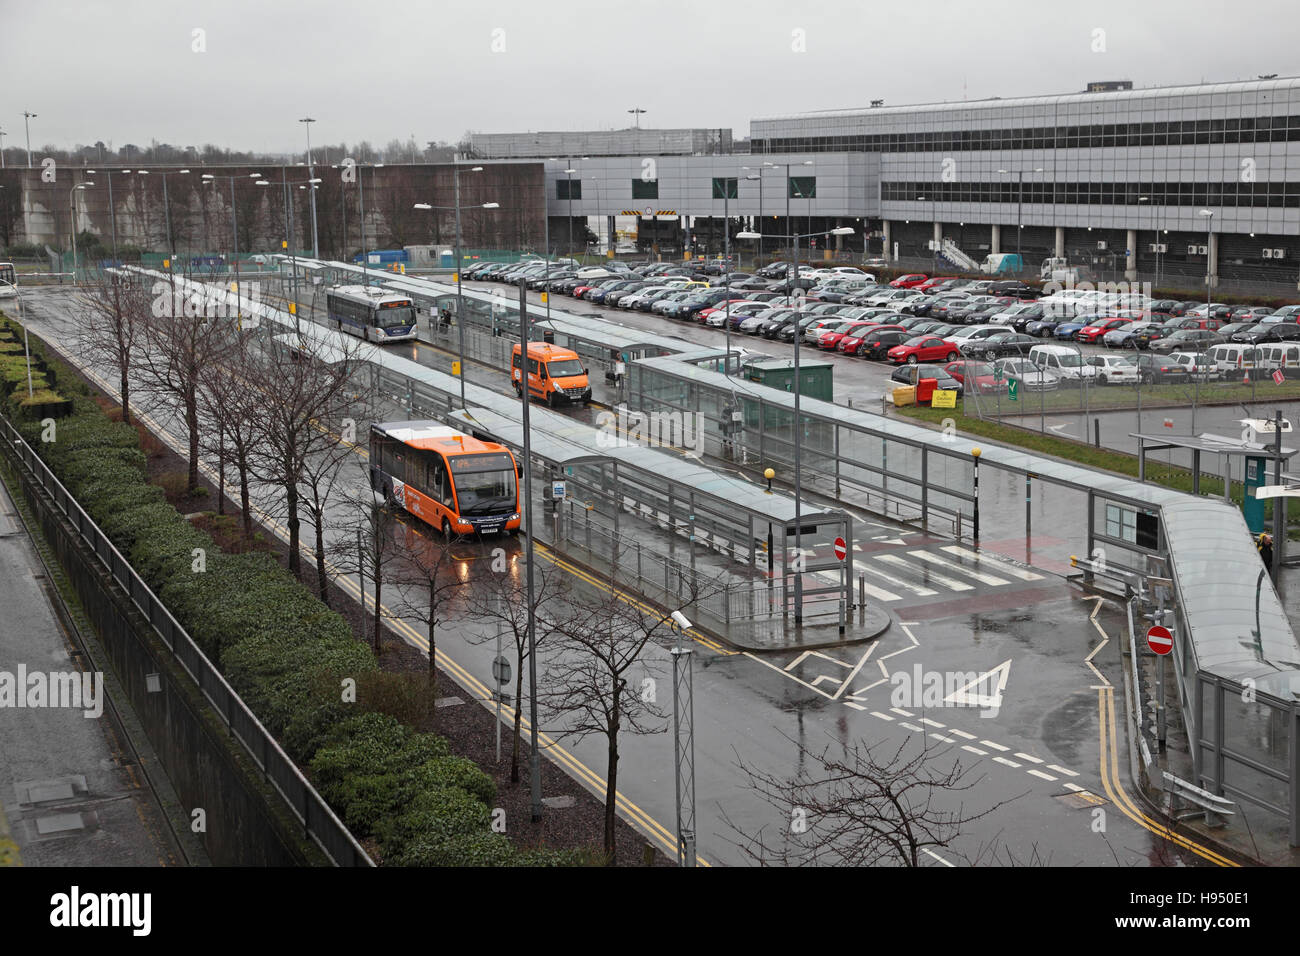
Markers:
(1009, 763)
(1039, 773)
(989, 743)
(855, 706)
(1075, 787)
(931, 723)
(975, 750)
(880, 594)
(988, 556)
(962, 734)
(931, 575)
(1067, 772)
(947, 740)
(901, 712)
(920, 590)
(876, 713)
(927, 850)
(910, 726)
(977, 575)
(1028, 757)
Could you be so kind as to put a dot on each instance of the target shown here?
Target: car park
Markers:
(1114, 369)
(1271, 332)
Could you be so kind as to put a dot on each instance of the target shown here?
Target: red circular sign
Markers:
(841, 549)
(1159, 639)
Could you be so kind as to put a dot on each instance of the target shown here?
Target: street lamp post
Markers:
(460, 302)
(2, 149)
(167, 211)
(798, 423)
(72, 201)
(27, 125)
(1020, 203)
(311, 173)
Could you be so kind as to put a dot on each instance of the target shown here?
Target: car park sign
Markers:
(1159, 639)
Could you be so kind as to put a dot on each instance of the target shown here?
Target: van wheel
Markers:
(550, 400)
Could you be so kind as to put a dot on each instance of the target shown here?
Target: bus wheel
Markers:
(446, 530)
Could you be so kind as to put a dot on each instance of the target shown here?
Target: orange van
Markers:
(555, 374)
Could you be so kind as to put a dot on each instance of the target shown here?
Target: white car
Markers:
(659, 306)
(718, 318)
(1199, 365)
(1008, 315)
(636, 298)
(1030, 376)
(1114, 369)
(973, 333)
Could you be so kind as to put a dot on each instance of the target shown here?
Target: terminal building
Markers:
(1161, 185)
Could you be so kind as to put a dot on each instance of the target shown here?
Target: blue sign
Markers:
(557, 490)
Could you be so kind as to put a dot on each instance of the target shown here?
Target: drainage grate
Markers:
(31, 793)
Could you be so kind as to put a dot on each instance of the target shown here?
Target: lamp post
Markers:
(234, 221)
(788, 223)
(568, 173)
(1020, 203)
(798, 423)
(460, 302)
(311, 173)
(27, 125)
(756, 172)
(22, 320)
(2, 149)
(167, 212)
(72, 202)
(636, 112)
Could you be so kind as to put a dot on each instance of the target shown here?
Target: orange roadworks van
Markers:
(555, 374)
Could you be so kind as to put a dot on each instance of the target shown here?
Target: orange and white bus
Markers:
(451, 481)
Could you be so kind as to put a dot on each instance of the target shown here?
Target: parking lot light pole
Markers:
(1020, 203)
(27, 125)
(975, 456)
(72, 201)
(798, 423)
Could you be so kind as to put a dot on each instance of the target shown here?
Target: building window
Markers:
(725, 188)
(568, 189)
(803, 187)
(645, 189)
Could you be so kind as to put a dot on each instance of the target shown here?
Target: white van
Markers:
(1233, 360)
(595, 272)
(1277, 355)
(1067, 363)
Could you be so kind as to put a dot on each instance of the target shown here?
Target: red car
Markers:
(702, 316)
(1091, 333)
(928, 284)
(831, 340)
(976, 376)
(924, 348)
(909, 281)
(852, 341)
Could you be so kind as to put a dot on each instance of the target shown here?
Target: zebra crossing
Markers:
(909, 574)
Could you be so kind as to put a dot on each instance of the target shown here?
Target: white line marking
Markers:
(1039, 773)
(1067, 772)
(977, 575)
(1003, 566)
(947, 740)
(909, 726)
(931, 723)
(1075, 787)
(1009, 763)
(962, 734)
(855, 706)
(920, 590)
(989, 743)
(880, 594)
(854, 672)
(767, 663)
(1028, 757)
(945, 581)
(876, 713)
(975, 750)
(901, 712)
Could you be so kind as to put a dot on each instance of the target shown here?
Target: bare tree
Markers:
(500, 596)
(184, 334)
(115, 312)
(367, 543)
(428, 575)
(596, 646)
(230, 405)
(307, 395)
(870, 805)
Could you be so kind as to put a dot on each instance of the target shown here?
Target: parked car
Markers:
(876, 343)
(1000, 345)
(1272, 332)
(909, 281)
(923, 348)
(852, 342)
(911, 374)
(1114, 369)
(1091, 333)
(978, 377)
(1198, 365)
(1157, 369)
(1193, 339)
(1066, 363)
(1129, 336)
(1027, 375)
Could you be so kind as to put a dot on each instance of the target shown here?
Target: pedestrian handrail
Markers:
(320, 822)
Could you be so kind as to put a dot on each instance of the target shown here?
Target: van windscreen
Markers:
(563, 368)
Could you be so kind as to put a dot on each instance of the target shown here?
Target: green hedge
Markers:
(284, 652)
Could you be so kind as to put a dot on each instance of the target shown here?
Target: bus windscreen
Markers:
(485, 484)
(396, 315)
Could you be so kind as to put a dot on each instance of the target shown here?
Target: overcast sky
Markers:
(126, 71)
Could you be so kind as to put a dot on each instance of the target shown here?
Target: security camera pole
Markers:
(684, 740)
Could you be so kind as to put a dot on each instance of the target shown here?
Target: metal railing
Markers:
(319, 821)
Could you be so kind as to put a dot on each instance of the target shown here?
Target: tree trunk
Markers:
(221, 473)
(192, 424)
(242, 464)
(291, 504)
(379, 590)
(519, 717)
(433, 644)
(125, 387)
(322, 578)
(611, 785)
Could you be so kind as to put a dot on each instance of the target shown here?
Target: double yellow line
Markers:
(1110, 781)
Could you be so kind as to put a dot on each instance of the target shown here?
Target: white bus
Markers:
(8, 280)
(375, 315)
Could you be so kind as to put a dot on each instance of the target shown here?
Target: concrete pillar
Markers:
(886, 228)
(839, 240)
(1060, 242)
(1212, 263)
(613, 237)
(995, 241)
(1131, 257)
(938, 232)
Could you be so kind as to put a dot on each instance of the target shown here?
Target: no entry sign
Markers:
(841, 549)
(1159, 639)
